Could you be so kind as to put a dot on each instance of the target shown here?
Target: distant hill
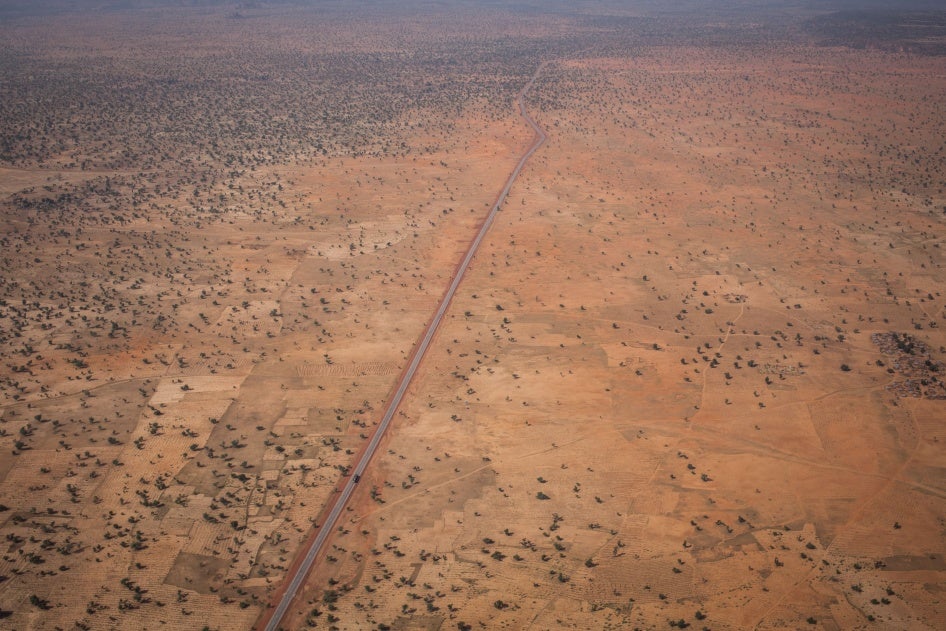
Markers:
(12, 8)
(48, 7)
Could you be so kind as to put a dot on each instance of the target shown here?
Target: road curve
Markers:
(300, 569)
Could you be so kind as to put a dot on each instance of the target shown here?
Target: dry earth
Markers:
(692, 378)
(658, 400)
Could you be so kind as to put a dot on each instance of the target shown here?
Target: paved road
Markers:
(301, 569)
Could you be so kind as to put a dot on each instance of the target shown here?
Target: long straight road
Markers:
(300, 569)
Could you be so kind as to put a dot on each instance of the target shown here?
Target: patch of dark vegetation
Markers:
(898, 30)
(913, 360)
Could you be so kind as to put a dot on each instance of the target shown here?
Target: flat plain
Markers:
(694, 377)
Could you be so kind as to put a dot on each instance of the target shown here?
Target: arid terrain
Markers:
(695, 376)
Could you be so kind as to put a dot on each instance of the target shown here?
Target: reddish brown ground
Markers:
(653, 338)
(666, 391)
